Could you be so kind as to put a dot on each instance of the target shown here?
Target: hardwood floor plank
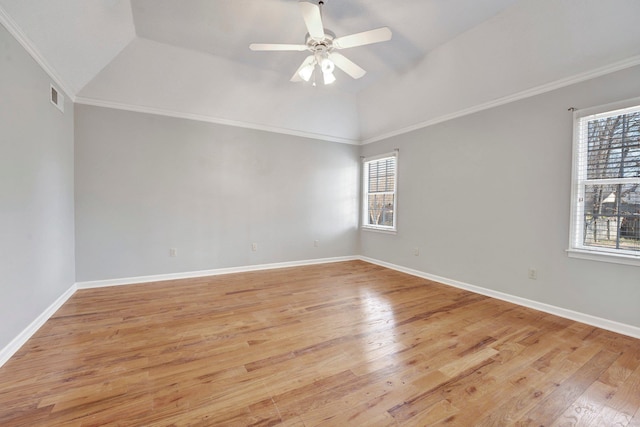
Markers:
(587, 407)
(360, 415)
(425, 400)
(626, 397)
(442, 410)
(569, 390)
(621, 369)
(339, 344)
(609, 417)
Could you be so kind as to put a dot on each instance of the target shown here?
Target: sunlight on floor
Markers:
(379, 326)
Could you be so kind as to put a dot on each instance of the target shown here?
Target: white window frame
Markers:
(577, 249)
(365, 194)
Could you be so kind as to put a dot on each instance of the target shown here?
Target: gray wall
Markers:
(145, 184)
(487, 196)
(484, 198)
(36, 192)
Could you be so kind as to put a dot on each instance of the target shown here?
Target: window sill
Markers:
(380, 230)
(604, 257)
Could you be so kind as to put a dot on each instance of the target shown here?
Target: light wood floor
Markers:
(344, 344)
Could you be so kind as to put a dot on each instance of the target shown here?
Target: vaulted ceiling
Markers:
(190, 58)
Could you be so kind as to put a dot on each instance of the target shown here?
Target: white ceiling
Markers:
(225, 28)
(190, 58)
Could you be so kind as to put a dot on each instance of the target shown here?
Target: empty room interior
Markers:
(302, 213)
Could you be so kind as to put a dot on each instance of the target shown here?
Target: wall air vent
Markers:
(57, 98)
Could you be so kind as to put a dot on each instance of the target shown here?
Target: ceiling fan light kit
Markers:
(323, 44)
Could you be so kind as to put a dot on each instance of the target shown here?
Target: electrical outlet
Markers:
(316, 243)
(533, 274)
(254, 247)
(173, 252)
(416, 251)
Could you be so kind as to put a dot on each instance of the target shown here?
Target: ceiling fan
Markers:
(323, 44)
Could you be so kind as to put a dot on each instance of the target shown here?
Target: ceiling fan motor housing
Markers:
(325, 44)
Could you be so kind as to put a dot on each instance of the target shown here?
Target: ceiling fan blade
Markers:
(360, 39)
(308, 61)
(312, 19)
(347, 65)
(271, 46)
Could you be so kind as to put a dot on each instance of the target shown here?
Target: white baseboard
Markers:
(610, 325)
(23, 337)
(205, 273)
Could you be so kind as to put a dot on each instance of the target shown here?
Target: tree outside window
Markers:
(379, 206)
(607, 209)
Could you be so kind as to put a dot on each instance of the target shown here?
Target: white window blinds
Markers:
(606, 205)
(380, 183)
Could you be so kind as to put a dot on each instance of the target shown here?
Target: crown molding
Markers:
(538, 90)
(210, 119)
(14, 29)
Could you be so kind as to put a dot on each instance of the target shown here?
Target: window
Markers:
(380, 183)
(606, 185)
